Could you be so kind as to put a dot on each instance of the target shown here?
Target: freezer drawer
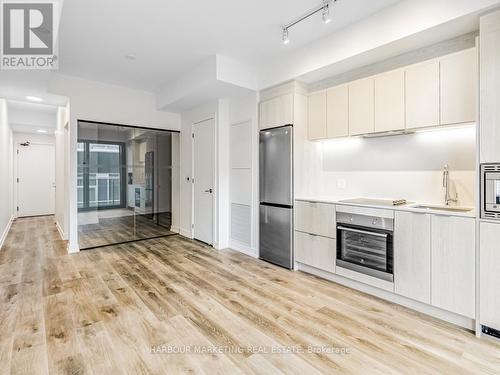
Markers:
(276, 245)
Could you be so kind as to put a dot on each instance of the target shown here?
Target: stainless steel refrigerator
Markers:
(276, 196)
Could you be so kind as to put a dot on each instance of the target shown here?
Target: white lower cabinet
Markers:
(412, 255)
(316, 251)
(316, 218)
(489, 268)
(453, 264)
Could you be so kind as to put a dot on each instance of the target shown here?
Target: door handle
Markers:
(209, 191)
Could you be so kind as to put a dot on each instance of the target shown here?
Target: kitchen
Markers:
(395, 186)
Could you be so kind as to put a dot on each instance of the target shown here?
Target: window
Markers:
(101, 175)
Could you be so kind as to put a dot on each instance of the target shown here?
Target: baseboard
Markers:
(61, 232)
(243, 248)
(73, 248)
(423, 308)
(6, 231)
(185, 233)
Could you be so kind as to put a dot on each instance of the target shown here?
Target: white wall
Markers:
(6, 172)
(219, 111)
(96, 101)
(244, 173)
(62, 171)
(188, 118)
(176, 183)
(24, 119)
(408, 167)
(222, 174)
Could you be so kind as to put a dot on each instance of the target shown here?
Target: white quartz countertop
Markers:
(411, 207)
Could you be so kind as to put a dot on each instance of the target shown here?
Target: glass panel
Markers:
(125, 183)
(364, 249)
(105, 164)
(497, 191)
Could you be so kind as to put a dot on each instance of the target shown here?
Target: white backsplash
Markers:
(407, 167)
(417, 186)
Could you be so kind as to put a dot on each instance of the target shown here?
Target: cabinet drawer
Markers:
(315, 218)
(315, 251)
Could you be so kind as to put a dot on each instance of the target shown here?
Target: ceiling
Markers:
(169, 38)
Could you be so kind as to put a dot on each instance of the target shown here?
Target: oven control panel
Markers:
(365, 221)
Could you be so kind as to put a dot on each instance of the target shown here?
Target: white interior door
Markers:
(203, 160)
(36, 184)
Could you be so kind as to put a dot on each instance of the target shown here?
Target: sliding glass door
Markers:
(101, 175)
(127, 179)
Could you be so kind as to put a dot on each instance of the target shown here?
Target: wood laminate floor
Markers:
(104, 311)
(113, 230)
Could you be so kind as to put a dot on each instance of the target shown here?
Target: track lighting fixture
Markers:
(326, 14)
(285, 38)
(324, 8)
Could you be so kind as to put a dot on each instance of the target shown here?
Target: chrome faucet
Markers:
(446, 185)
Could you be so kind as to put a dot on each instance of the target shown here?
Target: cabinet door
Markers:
(337, 112)
(490, 87)
(453, 264)
(315, 218)
(459, 77)
(315, 251)
(317, 115)
(361, 107)
(390, 101)
(412, 256)
(422, 95)
(276, 112)
(489, 273)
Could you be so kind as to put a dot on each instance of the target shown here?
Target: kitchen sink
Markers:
(443, 208)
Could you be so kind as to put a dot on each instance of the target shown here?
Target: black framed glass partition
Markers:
(101, 175)
(125, 181)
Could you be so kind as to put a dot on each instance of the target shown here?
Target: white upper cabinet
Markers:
(490, 88)
(317, 115)
(337, 111)
(441, 91)
(412, 255)
(453, 264)
(458, 80)
(390, 101)
(361, 107)
(422, 95)
(276, 112)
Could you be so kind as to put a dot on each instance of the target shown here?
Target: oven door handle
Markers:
(384, 235)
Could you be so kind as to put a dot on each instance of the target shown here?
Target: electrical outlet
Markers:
(341, 183)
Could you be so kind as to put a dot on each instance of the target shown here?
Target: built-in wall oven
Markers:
(365, 244)
(490, 191)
